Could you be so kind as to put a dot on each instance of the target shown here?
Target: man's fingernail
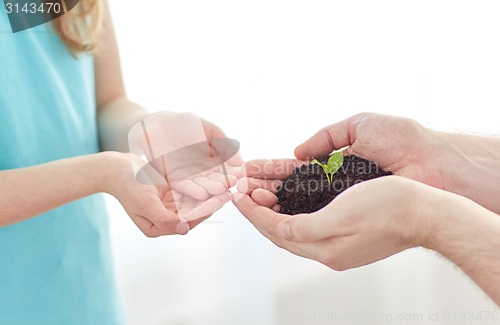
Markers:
(284, 230)
(182, 228)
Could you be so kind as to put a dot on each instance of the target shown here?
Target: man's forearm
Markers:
(469, 236)
(115, 120)
(469, 166)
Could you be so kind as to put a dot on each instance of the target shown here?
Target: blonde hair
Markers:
(79, 27)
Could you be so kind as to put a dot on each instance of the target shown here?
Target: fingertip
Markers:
(264, 198)
(249, 168)
(233, 180)
(244, 203)
(182, 228)
(299, 152)
(243, 185)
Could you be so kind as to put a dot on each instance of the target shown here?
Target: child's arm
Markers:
(28, 192)
(115, 113)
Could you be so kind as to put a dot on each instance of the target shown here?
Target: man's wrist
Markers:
(446, 223)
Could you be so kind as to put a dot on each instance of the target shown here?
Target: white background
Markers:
(271, 73)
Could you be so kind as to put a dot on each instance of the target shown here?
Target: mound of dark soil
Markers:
(307, 189)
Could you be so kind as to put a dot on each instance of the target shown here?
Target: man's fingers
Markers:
(263, 218)
(266, 221)
(264, 198)
(271, 169)
(330, 138)
(325, 223)
(248, 184)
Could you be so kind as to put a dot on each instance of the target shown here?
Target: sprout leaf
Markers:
(333, 165)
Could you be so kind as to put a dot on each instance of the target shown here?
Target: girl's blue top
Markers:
(55, 268)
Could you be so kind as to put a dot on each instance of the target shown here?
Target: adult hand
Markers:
(396, 144)
(193, 155)
(381, 217)
(366, 223)
(460, 163)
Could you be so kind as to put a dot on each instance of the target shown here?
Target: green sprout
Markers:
(334, 163)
